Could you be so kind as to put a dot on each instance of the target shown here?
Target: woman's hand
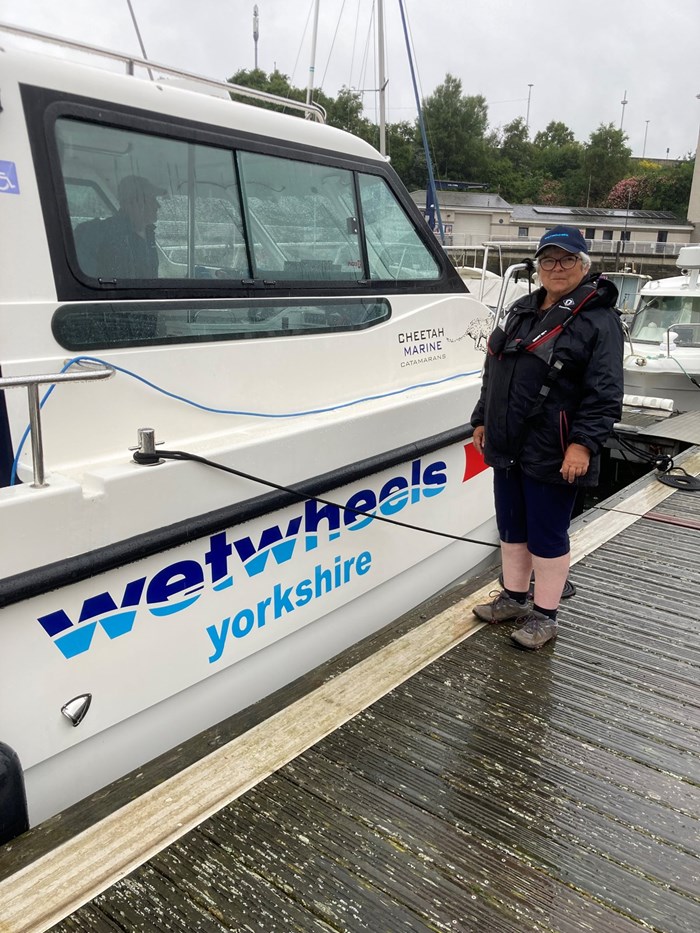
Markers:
(478, 439)
(576, 460)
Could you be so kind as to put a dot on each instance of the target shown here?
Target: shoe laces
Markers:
(499, 596)
(534, 624)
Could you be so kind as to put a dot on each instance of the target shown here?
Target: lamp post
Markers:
(529, 95)
(624, 104)
(646, 130)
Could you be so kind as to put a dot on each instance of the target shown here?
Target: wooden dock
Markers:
(437, 779)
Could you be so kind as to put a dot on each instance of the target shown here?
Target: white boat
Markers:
(629, 287)
(485, 286)
(301, 326)
(663, 358)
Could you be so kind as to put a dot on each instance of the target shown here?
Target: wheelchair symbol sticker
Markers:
(8, 178)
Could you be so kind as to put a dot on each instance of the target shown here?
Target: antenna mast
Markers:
(432, 205)
(382, 77)
(312, 64)
(138, 36)
(256, 33)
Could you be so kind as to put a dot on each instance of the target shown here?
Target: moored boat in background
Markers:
(664, 343)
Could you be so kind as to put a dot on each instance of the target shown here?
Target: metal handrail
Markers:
(313, 110)
(31, 384)
(507, 276)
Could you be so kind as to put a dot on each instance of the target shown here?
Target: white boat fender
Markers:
(14, 817)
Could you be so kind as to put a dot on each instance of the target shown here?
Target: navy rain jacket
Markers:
(583, 402)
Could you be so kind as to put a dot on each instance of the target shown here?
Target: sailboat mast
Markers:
(312, 63)
(382, 77)
(432, 208)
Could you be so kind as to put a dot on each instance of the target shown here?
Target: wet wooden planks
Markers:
(495, 790)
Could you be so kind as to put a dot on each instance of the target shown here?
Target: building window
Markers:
(625, 235)
(590, 233)
(523, 231)
(661, 240)
(607, 234)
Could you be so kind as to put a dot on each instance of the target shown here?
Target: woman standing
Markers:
(552, 390)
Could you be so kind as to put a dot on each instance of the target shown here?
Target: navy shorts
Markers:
(533, 513)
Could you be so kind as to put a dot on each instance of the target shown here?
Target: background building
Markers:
(616, 237)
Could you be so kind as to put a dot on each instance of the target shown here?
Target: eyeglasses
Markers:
(566, 262)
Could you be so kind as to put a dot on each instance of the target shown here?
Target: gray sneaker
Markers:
(502, 609)
(537, 631)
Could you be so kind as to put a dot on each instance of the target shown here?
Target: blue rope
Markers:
(224, 411)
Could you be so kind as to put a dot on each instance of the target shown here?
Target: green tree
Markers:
(671, 188)
(511, 163)
(516, 145)
(555, 135)
(606, 159)
(657, 188)
(345, 113)
(275, 83)
(556, 153)
(406, 153)
(456, 125)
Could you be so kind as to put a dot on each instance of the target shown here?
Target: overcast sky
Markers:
(580, 58)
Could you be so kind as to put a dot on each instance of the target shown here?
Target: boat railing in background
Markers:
(314, 111)
(31, 384)
(508, 276)
(474, 241)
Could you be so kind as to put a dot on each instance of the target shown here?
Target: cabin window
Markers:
(395, 250)
(160, 239)
(663, 313)
(302, 219)
(146, 207)
(104, 325)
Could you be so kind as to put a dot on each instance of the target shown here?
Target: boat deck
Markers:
(490, 790)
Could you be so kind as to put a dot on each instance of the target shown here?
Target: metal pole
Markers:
(529, 95)
(312, 64)
(37, 441)
(382, 77)
(432, 203)
(624, 104)
(646, 130)
(138, 36)
(256, 33)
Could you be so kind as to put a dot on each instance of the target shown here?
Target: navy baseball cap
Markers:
(568, 238)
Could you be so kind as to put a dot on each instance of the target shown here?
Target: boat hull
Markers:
(173, 642)
(665, 377)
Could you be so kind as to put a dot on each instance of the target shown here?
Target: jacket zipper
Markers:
(563, 430)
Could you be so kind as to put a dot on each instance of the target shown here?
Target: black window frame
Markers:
(126, 324)
(44, 106)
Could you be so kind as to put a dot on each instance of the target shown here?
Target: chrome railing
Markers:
(31, 384)
(507, 276)
(314, 111)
